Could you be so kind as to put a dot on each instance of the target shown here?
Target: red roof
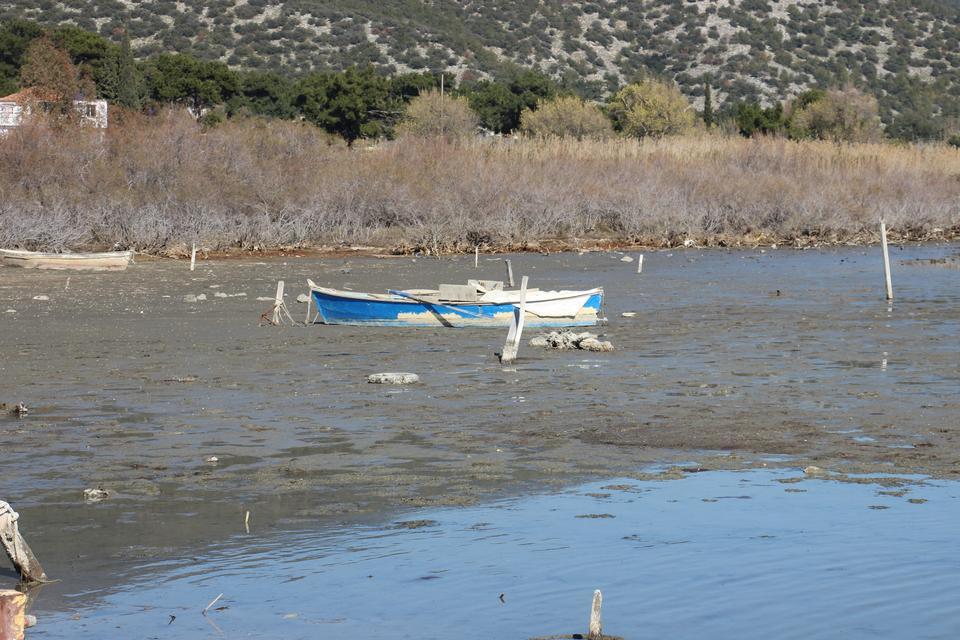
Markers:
(30, 94)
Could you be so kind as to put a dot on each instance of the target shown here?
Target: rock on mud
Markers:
(570, 340)
(393, 378)
(95, 495)
(303, 298)
(626, 259)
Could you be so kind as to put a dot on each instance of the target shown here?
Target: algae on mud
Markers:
(131, 390)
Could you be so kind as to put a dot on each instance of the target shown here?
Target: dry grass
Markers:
(157, 184)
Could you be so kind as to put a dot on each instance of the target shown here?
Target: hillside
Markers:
(907, 53)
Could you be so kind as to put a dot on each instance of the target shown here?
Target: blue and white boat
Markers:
(477, 304)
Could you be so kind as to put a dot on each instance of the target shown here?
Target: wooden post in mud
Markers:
(512, 345)
(640, 264)
(509, 272)
(306, 319)
(193, 256)
(17, 548)
(476, 257)
(277, 303)
(13, 605)
(596, 628)
(886, 259)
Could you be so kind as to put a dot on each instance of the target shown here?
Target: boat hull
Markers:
(108, 261)
(583, 309)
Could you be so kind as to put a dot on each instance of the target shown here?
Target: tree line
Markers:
(361, 102)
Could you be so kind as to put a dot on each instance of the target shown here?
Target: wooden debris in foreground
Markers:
(13, 606)
(596, 628)
(17, 548)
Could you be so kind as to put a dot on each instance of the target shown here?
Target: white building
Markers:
(14, 107)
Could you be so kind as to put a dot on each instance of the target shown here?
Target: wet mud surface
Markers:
(734, 359)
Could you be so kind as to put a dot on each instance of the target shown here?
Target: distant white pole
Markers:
(476, 257)
(509, 272)
(640, 264)
(441, 103)
(886, 259)
(278, 303)
(596, 628)
(193, 257)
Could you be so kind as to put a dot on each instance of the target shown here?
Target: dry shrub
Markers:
(159, 183)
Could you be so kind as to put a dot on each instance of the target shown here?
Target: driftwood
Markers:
(13, 605)
(17, 548)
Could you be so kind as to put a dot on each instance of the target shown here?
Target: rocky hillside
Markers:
(907, 52)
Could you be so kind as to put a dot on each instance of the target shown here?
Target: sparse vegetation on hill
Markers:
(905, 52)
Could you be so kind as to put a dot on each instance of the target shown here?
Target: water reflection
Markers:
(727, 554)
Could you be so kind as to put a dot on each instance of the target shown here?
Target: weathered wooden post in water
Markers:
(512, 345)
(13, 605)
(476, 257)
(193, 256)
(509, 272)
(17, 548)
(596, 628)
(886, 259)
(640, 264)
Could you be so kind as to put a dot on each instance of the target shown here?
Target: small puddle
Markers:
(759, 554)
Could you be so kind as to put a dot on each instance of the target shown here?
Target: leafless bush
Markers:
(160, 183)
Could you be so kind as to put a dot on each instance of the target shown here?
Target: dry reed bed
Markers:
(160, 183)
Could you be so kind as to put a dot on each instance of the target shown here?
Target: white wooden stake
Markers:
(596, 628)
(640, 264)
(193, 257)
(476, 257)
(509, 272)
(278, 303)
(886, 259)
(306, 319)
(512, 345)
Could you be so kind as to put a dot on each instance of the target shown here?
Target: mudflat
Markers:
(189, 415)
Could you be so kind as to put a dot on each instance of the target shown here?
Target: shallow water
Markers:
(131, 388)
(717, 554)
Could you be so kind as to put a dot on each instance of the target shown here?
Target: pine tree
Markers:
(119, 80)
(128, 91)
(707, 106)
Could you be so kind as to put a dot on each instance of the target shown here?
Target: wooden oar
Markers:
(404, 294)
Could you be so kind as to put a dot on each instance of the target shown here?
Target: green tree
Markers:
(566, 116)
(120, 81)
(752, 118)
(841, 115)
(15, 38)
(498, 108)
(707, 106)
(651, 108)
(500, 103)
(264, 93)
(431, 114)
(353, 104)
(199, 85)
